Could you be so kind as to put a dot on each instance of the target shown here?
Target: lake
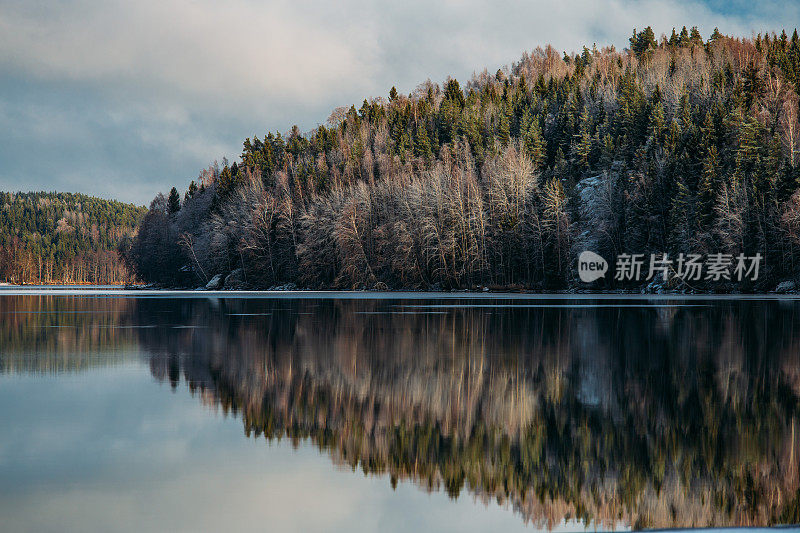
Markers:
(186, 411)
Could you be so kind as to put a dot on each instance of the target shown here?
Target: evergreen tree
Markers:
(173, 201)
(694, 37)
(643, 41)
(680, 217)
(683, 39)
(532, 139)
(504, 130)
(709, 185)
(422, 145)
(454, 94)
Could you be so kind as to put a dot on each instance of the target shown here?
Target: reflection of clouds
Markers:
(114, 451)
(220, 496)
(59, 421)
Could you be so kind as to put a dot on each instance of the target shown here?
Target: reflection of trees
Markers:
(62, 333)
(669, 417)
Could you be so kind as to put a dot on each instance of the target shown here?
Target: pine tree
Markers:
(454, 94)
(532, 139)
(583, 149)
(695, 36)
(191, 191)
(673, 39)
(559, 164)
(504, 129)
(753, 84)
(422, 145)
(607, 151)
(643, 41)
(583, 144)
(656, 123)
(709, 183)
(707, 133)
(173, 201)
(225, 181)
(680, 217)
(683, 40)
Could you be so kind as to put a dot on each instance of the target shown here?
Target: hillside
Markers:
(48, 237)
(678, 145)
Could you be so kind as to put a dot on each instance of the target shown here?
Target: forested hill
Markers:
(678, 144)
(48, 237)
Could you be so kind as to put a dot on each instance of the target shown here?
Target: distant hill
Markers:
(49, 237)
(681, 145)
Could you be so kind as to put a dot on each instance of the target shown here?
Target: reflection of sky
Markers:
(110, 449)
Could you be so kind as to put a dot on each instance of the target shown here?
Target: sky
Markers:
(123, 99)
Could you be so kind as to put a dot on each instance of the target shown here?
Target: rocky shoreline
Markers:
(236, 281)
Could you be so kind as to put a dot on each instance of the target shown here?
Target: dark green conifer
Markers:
(173, 201)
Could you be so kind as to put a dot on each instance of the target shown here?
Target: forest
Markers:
(677, 144)
(51, 238)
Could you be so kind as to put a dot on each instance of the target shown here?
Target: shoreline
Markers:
(121, 291)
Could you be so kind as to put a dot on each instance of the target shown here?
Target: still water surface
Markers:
(190, 412)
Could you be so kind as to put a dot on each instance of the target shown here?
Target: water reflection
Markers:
(55, 334)
(649, 413)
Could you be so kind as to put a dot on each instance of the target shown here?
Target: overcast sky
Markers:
(123, 99)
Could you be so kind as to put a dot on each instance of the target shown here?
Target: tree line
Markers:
(676, 144)
(64, 238)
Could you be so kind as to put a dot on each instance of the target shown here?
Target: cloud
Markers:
(129, 98)
(192, 49)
